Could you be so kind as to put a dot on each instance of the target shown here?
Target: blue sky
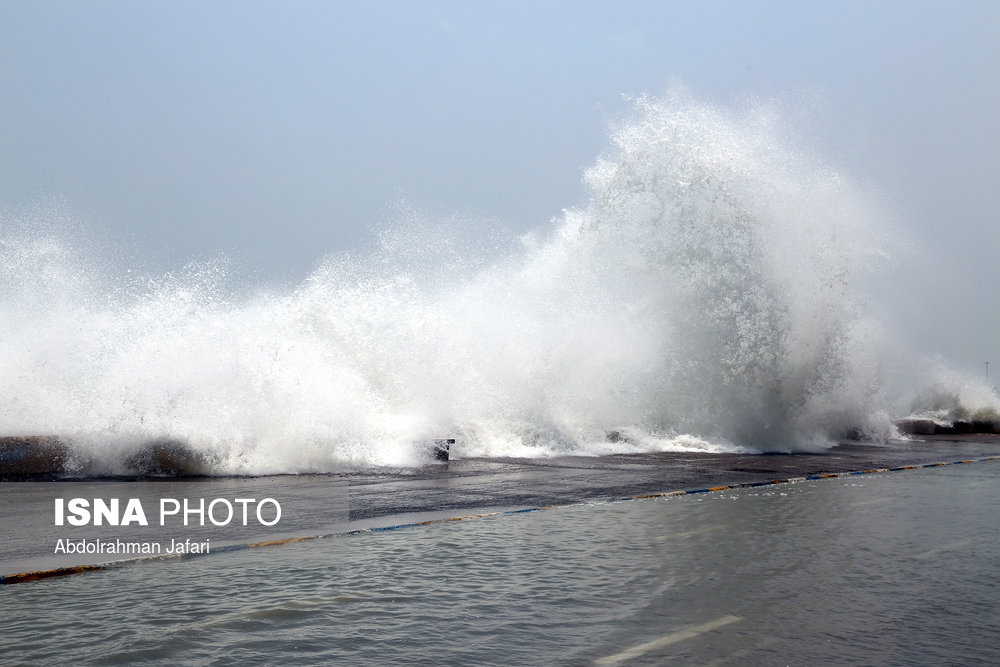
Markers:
(278, 132)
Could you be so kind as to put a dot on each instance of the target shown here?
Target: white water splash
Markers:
(704, 298)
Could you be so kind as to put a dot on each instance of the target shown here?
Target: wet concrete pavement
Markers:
(334, 504)
(478, 483)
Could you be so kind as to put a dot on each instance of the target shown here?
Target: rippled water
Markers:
(897, 568)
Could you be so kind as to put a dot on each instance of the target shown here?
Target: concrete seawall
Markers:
(50, 457)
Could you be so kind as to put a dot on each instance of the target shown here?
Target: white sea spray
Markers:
(705, 296)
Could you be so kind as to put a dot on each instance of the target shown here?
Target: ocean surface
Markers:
(897, 568)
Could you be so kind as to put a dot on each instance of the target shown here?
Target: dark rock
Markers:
(32, 455)
(167, 458)
(917, 426)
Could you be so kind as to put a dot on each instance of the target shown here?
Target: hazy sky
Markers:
(284, 130)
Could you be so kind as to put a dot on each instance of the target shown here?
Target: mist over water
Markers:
(704, 297)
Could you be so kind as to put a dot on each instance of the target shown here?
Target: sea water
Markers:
(895, 568)
(707, 295)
